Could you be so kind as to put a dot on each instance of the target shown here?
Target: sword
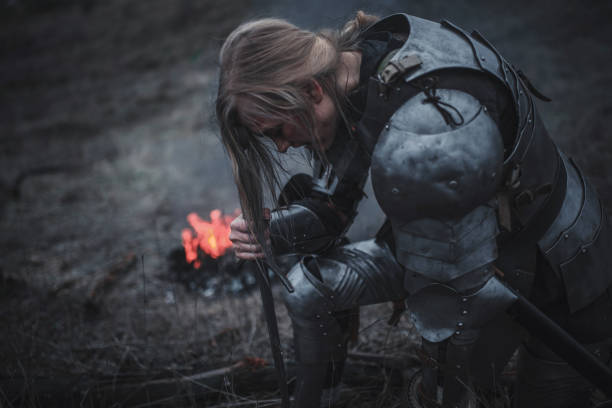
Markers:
(560, 341)
(267, 301)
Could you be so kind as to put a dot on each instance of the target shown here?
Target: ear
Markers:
(315, 91)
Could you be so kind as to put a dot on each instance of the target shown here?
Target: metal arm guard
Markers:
(304, 227)
(315, 212)
(304, 222)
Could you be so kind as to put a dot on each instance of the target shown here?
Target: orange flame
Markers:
(212, 237)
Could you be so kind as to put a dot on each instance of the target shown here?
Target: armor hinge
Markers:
(504, 212)
(397, 67)
(527, 196)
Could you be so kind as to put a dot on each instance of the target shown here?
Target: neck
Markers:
(348, 71)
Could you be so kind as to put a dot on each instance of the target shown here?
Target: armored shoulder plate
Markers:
(444, 45)
(423, 167)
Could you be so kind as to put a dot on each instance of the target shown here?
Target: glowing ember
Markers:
(211, 236)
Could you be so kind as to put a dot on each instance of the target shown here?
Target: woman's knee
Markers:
(318, 334)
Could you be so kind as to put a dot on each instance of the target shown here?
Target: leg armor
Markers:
(455, 372)
(445, 378)
(325, 288)
(546, 381)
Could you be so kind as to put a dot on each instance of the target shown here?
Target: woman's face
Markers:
(291, 134)
(284, 135)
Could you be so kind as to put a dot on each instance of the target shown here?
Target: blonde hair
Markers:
(266, 69)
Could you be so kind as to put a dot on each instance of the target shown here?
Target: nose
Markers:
(282, 140)
(281, 144)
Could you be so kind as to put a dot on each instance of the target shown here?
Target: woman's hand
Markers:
(245, 244)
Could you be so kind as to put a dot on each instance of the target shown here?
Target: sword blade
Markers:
(267, 301)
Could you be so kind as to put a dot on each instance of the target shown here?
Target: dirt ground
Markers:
(108, 142)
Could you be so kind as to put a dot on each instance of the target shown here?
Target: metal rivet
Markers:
(395, 190)
(458, 366)
(566, 236)
(464, 299)
(459, 324)
(458, 332)
(318, 316)
(529, 120)
(387, 126)
(453, 184)
(464, 312)
(381, 95)
(583, 250)
(321, 326)
(520, 92)
(484, 108)
(325, 333)
(331, 296)
(398, 89)
(329, 312)
(482, 58)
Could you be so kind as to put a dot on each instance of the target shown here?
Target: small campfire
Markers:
(212, 237)
(206, 261)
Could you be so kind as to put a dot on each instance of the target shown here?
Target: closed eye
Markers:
(273, 132)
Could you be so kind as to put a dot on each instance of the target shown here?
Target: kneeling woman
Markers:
(477, 196)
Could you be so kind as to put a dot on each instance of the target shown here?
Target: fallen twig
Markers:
(248, 362)
(110, 277)
(385, 360)
(247, 377)
(15, 189)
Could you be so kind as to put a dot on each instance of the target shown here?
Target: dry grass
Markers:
(55, 341)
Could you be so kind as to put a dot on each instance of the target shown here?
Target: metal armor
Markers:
(476, 194)
(490, 143)
(327, 289)
(470, 180)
